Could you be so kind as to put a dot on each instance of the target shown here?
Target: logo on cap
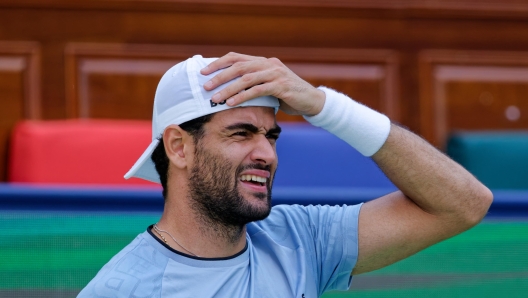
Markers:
(214, 104)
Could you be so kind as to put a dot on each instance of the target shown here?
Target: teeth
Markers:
(253, 178)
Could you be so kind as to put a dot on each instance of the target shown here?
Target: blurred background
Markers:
(77, 82)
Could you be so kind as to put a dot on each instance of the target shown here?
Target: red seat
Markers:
(77, 151)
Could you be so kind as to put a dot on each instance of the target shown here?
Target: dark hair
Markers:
(159, 156)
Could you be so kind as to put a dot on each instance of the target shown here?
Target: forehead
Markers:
(262, 117)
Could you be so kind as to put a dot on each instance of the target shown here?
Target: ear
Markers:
(175, 140)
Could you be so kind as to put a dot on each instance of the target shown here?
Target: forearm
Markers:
(433, 181)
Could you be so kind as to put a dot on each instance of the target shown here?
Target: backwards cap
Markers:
(180, 97)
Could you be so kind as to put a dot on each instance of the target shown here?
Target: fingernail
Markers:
(208, 84)
(216, 97)
(230, 101)
(205, 69)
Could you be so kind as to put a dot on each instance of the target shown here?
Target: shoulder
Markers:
(311, 214)
(286, 215)
(304, 222)
(137, 268)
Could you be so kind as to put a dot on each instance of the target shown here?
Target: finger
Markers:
(238, 69)
(253, 92)
(226, 61)
(244, 82)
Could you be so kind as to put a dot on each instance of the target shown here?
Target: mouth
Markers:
(254, 180)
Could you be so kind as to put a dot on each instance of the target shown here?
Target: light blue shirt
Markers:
(298, 252)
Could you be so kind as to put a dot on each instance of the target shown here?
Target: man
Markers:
(213, 150)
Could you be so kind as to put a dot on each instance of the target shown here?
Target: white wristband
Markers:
(363, 128)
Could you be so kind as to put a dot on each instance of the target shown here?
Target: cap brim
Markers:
(144, 167)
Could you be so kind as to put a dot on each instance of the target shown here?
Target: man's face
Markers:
(234, 165)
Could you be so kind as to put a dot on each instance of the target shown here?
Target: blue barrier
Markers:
(30, 197)
(311, 156)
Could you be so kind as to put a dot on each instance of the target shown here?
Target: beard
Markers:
(215, 195)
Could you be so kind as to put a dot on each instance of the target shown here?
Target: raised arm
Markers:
(437, 197)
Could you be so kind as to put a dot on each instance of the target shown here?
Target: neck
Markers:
(228, 234)
(198, 234)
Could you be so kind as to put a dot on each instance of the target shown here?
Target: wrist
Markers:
(363, 128)
(319, 102)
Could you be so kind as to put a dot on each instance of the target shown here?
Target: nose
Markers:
(263, 152)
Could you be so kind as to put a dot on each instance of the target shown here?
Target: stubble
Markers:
(216, 200)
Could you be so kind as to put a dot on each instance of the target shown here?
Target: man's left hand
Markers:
(260, 76)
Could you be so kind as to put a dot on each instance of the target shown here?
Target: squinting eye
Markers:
(272, 139)
(241, 133)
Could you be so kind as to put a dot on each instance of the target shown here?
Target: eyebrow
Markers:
(253, 129)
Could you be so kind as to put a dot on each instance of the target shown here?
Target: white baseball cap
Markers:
(180, 97)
